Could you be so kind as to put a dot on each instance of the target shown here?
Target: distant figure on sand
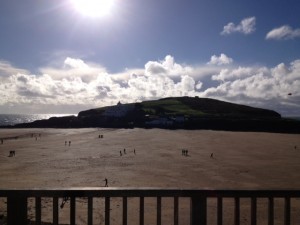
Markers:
(124, 150)
(106, 181)
(69, 143)
(120, 153)
(295, 147)
(134, 151)
(65, 199)
(185, 152)
(65, 142)
(12, 153)
(1, 141)
(211, 155)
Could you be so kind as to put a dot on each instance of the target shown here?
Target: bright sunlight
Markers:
(93, 8)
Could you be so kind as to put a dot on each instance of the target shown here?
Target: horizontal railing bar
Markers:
(146, 192)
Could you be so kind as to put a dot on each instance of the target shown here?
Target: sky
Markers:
(57, 56)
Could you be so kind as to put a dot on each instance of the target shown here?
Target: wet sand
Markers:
(241, 160)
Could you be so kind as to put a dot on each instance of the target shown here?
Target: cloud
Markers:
(77, 85)
(74, 68)
(168, 66)
(6, 69)
(246, 26)
(260, 86)
(283, 33)
(221, 60)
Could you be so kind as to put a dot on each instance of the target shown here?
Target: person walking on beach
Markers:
(106, 182)
(69, 143)
(1, 141)
(134, 151)
(124, 150)
(120, 153)
(65, 142)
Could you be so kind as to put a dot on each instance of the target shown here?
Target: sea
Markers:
(12, 119)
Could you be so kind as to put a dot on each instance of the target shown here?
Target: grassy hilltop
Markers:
(192, 107)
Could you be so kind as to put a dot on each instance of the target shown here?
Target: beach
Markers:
(55, 158)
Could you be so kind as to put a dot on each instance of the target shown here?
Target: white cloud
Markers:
(168, 66)
(246, 26)
(263, 87)
(6, 69)
(283, 33)
(237, 73)
(74, 68)
(64, 88)
(220, 60)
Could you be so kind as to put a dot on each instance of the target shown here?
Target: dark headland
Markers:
(175, 113)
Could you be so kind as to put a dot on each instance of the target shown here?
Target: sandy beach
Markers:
(54, 158)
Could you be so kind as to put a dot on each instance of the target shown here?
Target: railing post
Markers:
(198, 210)
(55, 211)
(124, 210)
(38, 210)
(253, 211)
(220, 211)
(90, 210)
(72, 211)
(16, 210)
(287, 211)
(158, 209)
(142, 210)
(176, 210)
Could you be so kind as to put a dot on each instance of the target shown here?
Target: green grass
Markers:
(169, 107)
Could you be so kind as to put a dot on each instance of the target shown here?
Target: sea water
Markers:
(12, 119)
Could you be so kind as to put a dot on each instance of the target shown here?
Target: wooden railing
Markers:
(17, 202)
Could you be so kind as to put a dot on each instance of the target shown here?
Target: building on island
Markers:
(118, 110)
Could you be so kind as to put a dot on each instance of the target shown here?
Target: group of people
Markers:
(36, 136)
(124, 152)
(184, 152)
(66, 142)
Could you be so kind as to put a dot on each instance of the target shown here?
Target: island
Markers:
(175, 113)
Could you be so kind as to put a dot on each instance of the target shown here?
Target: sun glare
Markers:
(93, 8)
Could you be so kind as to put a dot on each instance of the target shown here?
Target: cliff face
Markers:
(180, 112)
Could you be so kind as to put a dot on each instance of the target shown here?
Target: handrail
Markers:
(145, 192)
(17, 202)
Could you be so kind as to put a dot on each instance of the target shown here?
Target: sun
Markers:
(93, 8)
